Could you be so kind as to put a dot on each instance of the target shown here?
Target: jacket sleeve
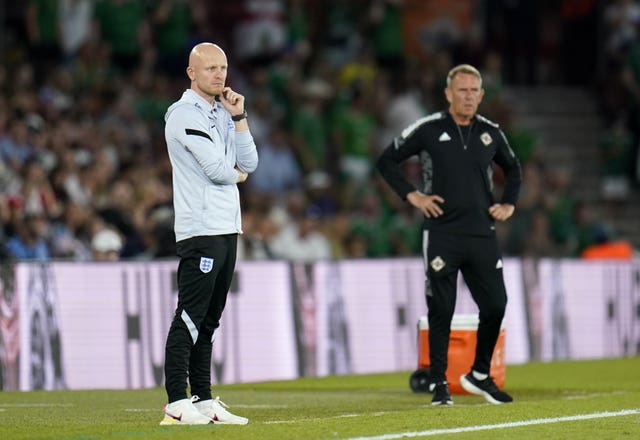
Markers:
(246, 152)
(507, 160)
(389, 162)
(191, 129)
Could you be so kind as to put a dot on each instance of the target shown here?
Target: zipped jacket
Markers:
(456, 165)
(204, 149)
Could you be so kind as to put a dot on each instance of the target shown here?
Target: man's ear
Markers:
(190, 73)
(447, 93)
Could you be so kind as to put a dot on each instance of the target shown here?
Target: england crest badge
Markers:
(206, 264)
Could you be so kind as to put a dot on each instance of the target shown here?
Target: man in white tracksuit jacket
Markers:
(211, 150)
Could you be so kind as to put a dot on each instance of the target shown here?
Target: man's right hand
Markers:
(428, 204)
(242, 176)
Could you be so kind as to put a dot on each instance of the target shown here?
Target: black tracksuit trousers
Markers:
(479, 261)
(205, 273)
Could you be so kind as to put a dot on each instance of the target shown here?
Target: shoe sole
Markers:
(471, 388)
(170, 421)
(238, 421)
(447, 403)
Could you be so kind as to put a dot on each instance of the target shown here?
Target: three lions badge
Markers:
(206, 264)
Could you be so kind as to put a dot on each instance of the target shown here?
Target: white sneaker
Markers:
(183, 412)
(216, 410)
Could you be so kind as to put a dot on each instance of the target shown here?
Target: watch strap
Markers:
(239, 117)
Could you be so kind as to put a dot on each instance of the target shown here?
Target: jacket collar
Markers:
(191, 96)
(473, 118)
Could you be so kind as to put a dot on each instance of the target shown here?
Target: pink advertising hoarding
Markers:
(103, 325)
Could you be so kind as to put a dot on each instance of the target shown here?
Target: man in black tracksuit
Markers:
(456, 149)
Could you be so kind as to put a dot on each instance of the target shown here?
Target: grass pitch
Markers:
(567, 400)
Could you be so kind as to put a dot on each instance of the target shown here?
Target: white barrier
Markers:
(103, 325)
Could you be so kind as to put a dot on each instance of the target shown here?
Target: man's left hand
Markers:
(501, 211)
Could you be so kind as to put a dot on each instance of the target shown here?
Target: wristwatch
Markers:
(239, 117)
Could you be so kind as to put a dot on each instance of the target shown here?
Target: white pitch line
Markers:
(341, 416)
(592, 395)
(318, 419)
(34, 405)
(545, 421)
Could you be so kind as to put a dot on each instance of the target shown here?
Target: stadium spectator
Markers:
(302, 240)
(75, 26)
(352, 132)
(119, 210)
(41, 23)
(29, 241)
(337, 229)
(559, 204)
(617, 149)
(531, 200)
(37, 193)
(262, 30)
(621, 19)
(124, 26)
(369, 219)
(590, 229)
(299, 235)
(538, 241)
(106, 245)
(384, 28)
(321, 191)
(172, 22)
(70, 233)
(264, 115)
(403, 235)
(309, 125)
(400, 103)
(15, 147)
(279, 171)
(258, 229)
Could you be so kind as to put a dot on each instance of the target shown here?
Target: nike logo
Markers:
(178, 418)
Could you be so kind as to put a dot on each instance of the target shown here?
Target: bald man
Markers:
(211, 150)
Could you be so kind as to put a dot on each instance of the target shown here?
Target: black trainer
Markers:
(485, 388)
(441, 394)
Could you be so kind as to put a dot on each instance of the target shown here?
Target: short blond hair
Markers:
(463, 68)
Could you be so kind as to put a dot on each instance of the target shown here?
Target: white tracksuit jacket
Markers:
(204, 148)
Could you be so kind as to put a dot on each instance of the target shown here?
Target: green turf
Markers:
(345, 407)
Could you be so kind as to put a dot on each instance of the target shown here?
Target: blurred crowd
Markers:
(618, 91)
(84, 84)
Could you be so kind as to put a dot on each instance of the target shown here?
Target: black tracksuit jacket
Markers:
(456, 165)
